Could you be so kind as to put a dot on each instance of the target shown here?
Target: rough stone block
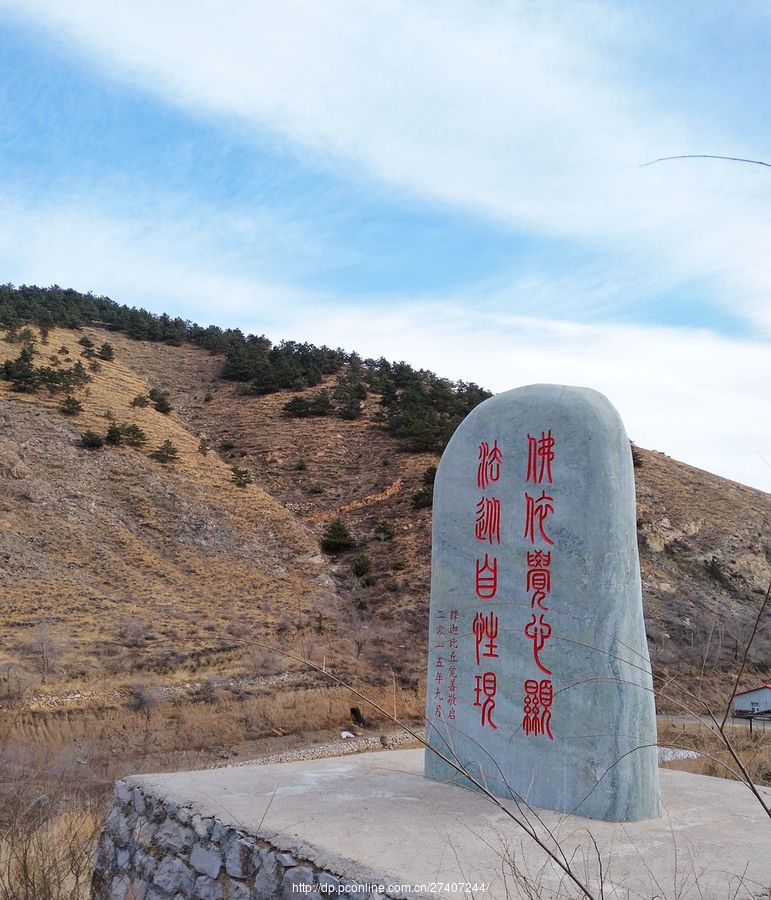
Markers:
(183, 815)
(139, 889)
(207, 889)
(267, 882)
(120, 888)
(144, 864)
(293, 878)
(206, 859)
(138, 801)
(154, 809)
(154, 894)
(144, 832)
(170, 808)
(117, 826)
(201, 826)
(170, 835)
(174, 875)
(220, 833)
(329, 885)
(239, 857)
(237, 890)
(122, 791)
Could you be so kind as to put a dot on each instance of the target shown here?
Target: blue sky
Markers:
(457, 184)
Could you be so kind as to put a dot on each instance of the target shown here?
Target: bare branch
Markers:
(754, 162)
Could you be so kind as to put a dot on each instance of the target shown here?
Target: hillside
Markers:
(113, 562)
(116, 566)
(705, 541)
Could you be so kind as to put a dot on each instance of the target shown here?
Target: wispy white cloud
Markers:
(692, 394)
(139, 259)
(525, 113)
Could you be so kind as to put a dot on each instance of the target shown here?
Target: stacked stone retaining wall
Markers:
(154, 849)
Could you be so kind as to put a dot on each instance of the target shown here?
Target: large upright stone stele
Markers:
(539, 678)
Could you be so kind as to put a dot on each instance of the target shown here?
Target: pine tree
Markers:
(91, 440)
(241, 477)
(114, 434)
(20, 371)
(349, 393)
(133, 435)
(70, 406)
(337, 537)
(78, 374)
(167, 452)
(160, 401)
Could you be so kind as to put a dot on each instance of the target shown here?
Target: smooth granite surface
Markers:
(566, 513)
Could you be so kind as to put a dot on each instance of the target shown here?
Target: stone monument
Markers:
(539, 681)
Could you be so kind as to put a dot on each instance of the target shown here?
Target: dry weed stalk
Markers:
(46, 849)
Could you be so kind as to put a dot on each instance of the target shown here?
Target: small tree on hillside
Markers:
(114, 434)
(167, 452)
(90, 440)
(296, 408)
(241, 477)
(162, 404)
(133, 435)
(21, 372)
(337, 537)
(78, 375)
(321, 404)
(106, 352)
(71, 406)
(349, 393)
(362, 566)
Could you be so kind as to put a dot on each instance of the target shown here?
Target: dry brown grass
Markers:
(47, 841)
(754, 750)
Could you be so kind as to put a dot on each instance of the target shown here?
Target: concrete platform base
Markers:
(374, 819)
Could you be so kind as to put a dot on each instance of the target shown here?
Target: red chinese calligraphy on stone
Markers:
(486, 580)
(540, 455)
(486, 684)
(488, 520)
(538, 632)
(485, 628)
(538, 509)
(489, 468)
(538, 577)
(537, 707)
